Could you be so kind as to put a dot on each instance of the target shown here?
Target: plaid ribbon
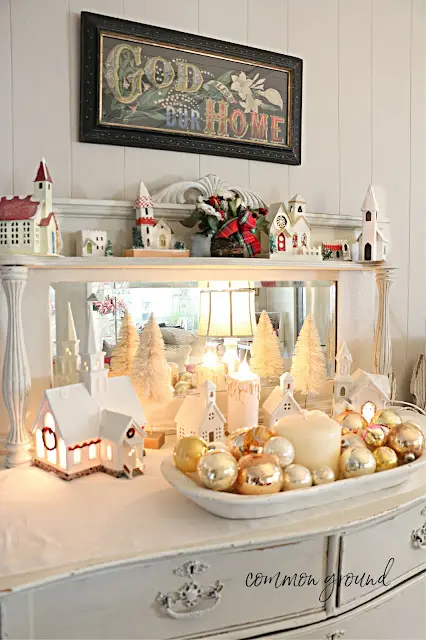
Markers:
(243, 227)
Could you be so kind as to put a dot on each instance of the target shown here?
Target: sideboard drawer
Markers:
(386, 551)
(121, 602)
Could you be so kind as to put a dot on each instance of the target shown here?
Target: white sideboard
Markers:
(88, 559)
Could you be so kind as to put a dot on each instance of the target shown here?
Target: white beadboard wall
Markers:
(363, 116)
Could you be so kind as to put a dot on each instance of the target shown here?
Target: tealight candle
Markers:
(243, 398)
(316, 439)
(212, 370)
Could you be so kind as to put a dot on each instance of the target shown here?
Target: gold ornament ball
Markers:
(256, 438)
(357, 462)
(387, 417)
(386, 458)
(323, 475)
(181, 388)
(282, 448)
(296, 476)
(217, 470)
(351, 421)
(187, 453)
(407, 440)
(352, 440)
(259, 474)
(375, 436)
(235, 443)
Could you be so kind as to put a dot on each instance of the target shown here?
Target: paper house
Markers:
(371, 241)
(281, 402)
(200, 416)
(91, 242)
(94, 425)
(28, 224)
(290, 233)
(162, 235)
(363, 392)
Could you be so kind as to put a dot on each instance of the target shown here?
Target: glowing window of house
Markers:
(77, 456)
(39, 444)
(49, 438)
(108, 452)
(342, 391)
(368, 410)
(92, 451)
(62, 454)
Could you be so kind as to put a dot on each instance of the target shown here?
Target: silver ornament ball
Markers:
(282, 449)
(323, 475)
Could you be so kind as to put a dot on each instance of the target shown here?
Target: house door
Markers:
(211, 436)
(89, 248)
(163, 241)
(367, 251)
(281, 242)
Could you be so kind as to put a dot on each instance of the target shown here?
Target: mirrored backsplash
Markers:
(197, 315)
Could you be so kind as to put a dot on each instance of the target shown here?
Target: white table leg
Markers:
(382, 337)
(16, 373)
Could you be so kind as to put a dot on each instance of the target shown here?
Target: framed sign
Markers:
(146, 86)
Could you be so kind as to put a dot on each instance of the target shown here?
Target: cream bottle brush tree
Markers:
(309, 368)
(125, 350)
(151, 373)
(266, 359)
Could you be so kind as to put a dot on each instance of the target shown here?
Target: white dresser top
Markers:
(49, 527)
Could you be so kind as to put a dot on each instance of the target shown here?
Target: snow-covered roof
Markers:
(370, 202)
(114, 425)
(194, 409)
(121, 397)
(276, 207)
(75, 412)
(344, 353)
(298, 198)
(363, 379)
(277, 398)
(162, 222)
(18, 208)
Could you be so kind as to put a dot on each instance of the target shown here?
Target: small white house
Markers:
(161, 235)
(371, 241)
(91, 242)
(94, 425)
(281, 402)
(363, 392)
(290, 232)
(28, 224)
(200, 416)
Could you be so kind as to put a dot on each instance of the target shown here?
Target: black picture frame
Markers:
(99, 125)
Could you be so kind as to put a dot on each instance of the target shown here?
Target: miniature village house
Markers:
(336, 250)
(28, 224)
(93, 425)
(91, 242)
(281, 402)
(155, 235)
(290, 233)
(200, 415)
(363, 392)
(371, 241)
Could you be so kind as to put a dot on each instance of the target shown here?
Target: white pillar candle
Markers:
(316, 439)
(212, 370)
(243, 398)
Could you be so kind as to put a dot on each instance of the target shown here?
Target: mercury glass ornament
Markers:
(217, 446)
(256, 438)
(351, 421)
(259, 474)
(352, 440)
(217, 470)
(187, 453)
(386, 458)
(235, 443)
(296, 476)
(282, 448)
(186, 376)
(375, 436)
(323, 475)
(357, 462)
(181, 388)
(407, 440)
(388, 417)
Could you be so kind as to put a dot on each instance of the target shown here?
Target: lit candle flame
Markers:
(210, 359)
(244, 372)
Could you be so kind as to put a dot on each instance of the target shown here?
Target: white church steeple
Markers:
(144, 215)
(372, 243)
(43, 188)
(93, 371)
(69, 360)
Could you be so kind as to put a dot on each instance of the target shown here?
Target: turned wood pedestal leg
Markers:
(382, 357)
(16, 374)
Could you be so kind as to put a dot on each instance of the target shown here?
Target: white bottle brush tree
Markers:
(151, 373)
(266, 359)
(309, 367)
(125, 350)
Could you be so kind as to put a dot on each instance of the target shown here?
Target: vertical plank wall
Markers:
(363, 115)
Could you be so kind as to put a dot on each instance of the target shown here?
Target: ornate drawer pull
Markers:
(418, 536)
(335, 635)
(190, 593)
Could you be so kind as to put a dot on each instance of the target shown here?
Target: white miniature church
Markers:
(200, 416)
(155, 234)
(93, 425)
(281, 402)
(290, 233)
(363, 392)
(28, 224)
(371, 241)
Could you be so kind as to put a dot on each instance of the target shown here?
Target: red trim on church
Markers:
(17, 208)
(43, 174)
(45, 221)
(146, 222)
